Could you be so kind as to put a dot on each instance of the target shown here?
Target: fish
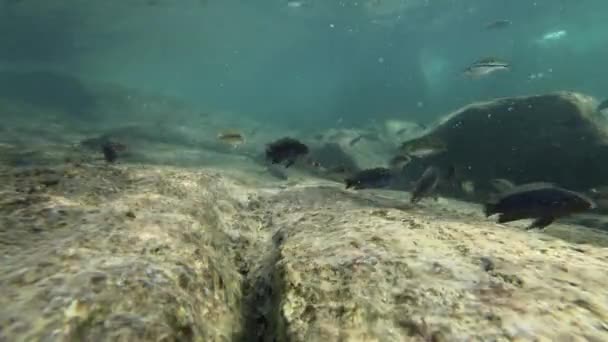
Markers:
(541, 201)
(555, 35)
(399, 161)
(602, 106)
(297, 4)
(485, 66)
(355, 140)
(375, 178)
(423, 147)
(426, 184)
(498, 24)
(502, 185)
(450, 174)
(233, 138)
(286, 150)
(110, 151)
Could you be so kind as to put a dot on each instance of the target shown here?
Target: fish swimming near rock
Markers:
(498, 24)
(110, 150)
(355, 140)
(286, 150)
(423, 147)
(543, 202)
(232, 138)
(485, 66)
(426, 184)
(450, 174)
(375, 178)
(602, 106)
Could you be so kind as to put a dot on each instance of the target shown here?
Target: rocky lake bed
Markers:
(192, 241)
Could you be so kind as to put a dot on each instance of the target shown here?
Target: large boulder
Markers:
(556, 138)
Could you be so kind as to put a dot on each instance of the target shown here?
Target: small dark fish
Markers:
(603, 105)
(375, 178)
(402, 130)
(487, 264)
(450, 174)
(543, 202)
(110, 152)
(498, 24)
(285, 150)
(399, 161)
(426, 185)
(355, 140)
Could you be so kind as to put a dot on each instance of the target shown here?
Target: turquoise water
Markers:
(304, 170)
(316, 63)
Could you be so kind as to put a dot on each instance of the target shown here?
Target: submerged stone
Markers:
(558, 138)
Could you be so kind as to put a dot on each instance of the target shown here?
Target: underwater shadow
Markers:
(48, 89)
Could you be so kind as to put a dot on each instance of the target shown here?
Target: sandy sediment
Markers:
(133, 253)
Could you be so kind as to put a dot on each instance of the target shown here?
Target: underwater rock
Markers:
(558, 138)
(346, 270)
(75, 268)
(144, 253)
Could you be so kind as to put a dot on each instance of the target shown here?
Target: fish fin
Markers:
(526, 187)
(289, 163)
(541, 222)
(508, 217)
(489, 209)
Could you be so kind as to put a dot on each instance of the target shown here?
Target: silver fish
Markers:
(485, 66)
(426, 184)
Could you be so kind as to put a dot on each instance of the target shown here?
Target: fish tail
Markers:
(489, 209)
(349, 183)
